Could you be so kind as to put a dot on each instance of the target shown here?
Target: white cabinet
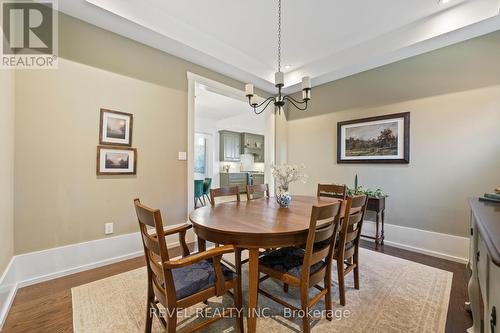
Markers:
(484, 263)
(491, 320)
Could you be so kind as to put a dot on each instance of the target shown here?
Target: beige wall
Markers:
(453, 95)
(455, 154)
(460, 67)
(59, 199)
(7, 83)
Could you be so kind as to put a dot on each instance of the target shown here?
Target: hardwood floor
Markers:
(46, 307)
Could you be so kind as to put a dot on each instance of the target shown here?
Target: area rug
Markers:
(396, 295)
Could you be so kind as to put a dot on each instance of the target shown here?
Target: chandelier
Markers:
(280, 100)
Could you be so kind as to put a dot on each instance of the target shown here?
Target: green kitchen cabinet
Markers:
(253, 144)
(234, 179)
(229, 146)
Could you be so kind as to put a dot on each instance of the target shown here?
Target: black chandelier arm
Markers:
(267, 101)
(293, 100)
(296, 103)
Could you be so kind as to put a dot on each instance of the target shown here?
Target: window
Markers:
(200, 153)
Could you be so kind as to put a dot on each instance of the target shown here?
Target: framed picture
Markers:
(115, 128)
(383, 139)
(116, 160)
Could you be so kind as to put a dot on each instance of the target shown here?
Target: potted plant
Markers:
(360, 190)
(286, 174)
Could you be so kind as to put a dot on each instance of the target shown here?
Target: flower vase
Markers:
(283, 198)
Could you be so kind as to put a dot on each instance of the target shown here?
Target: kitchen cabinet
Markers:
(253, 144)
(231, 179)
(229, 146)
(257, 179)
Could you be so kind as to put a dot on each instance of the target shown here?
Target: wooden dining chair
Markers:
(346, 252)
(181, 283)
(332, 191)
(260, 188)
(305, 267)
(224, 192)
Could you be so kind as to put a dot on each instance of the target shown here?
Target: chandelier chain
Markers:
(279, 100)
(279, 35)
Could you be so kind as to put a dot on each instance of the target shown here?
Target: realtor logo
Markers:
(29, 34)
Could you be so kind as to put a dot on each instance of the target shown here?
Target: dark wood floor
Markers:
(46, 307)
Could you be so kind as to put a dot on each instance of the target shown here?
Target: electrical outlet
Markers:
(108, 228)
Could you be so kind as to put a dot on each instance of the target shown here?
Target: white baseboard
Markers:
(449, 247)
(35, 267)
(8, 289)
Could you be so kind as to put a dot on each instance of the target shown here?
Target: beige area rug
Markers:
(396, 295)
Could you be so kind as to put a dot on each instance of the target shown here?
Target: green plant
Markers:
(360, 190)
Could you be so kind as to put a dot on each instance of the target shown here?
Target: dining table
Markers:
(254, 225)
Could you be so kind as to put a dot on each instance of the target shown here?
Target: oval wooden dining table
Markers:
(254, 225)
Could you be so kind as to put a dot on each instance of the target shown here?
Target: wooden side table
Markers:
(377, 205)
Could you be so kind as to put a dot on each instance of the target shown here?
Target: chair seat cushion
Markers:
(197, 277)
(288, 260)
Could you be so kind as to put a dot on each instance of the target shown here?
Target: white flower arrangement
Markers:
(286, 174)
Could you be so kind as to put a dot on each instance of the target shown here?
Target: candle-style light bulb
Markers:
(306, 82)
(249, 89)
(306, 94)
(253, 100)
(279, 79)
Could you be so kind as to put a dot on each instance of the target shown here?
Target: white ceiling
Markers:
(325, 39)
(210, 105)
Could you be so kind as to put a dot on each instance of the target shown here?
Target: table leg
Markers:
(377, 221)
(237, 262)
(382, 237)
(253, 284)
(202, 245)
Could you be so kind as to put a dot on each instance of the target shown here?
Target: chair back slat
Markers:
(260, 188)
(332, 191)
(356, 217)
(319, 255)
(349, 253)
(224, 192)
(359, 201)
(159, 292)
(323, 233)
(145, 215)
(352, 235)
(157, 270)
(322, 228)
(150, 243)
(327, 212)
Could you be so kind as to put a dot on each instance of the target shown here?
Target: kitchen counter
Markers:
(241, 179)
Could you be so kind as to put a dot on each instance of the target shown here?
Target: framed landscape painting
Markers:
(116, 161)
(383, 139)
(115, 128)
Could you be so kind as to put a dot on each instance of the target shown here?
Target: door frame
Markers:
(194, 81)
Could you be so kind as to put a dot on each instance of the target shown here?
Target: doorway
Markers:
(215, 109)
